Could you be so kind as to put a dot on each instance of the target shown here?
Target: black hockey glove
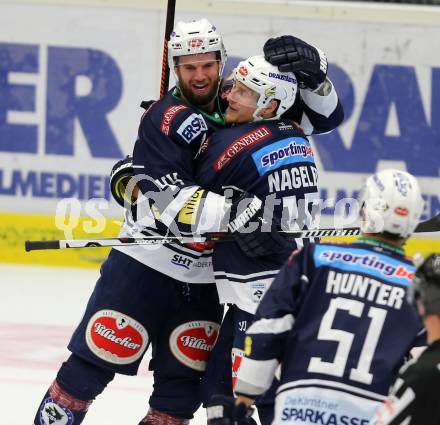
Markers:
(291, 54)
(146, 104)
(222, 410)
(120, 175)
(263, 239)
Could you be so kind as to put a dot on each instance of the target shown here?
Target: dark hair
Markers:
(392, 236)
(427, 284)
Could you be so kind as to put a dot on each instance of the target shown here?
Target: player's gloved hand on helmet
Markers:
(252, 232)
(222, 410)
(292, 54)
(120, 175)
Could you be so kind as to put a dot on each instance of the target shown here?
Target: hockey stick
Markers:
(431, 225)
(165, 76)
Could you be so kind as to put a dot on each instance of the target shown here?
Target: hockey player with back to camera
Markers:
(336, 319)
(414, 397)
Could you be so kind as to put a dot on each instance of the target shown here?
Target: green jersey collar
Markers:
(381, 244)
(216, 116)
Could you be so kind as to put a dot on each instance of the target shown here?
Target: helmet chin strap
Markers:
(256, 116)
(259, 109)
(260, 118)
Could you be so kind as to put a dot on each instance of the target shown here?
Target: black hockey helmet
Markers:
(426, 285)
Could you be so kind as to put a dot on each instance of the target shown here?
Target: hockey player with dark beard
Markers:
(413, 399)
(336, 319)
(165, 296)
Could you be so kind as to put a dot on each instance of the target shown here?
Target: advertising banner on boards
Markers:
(70, 89)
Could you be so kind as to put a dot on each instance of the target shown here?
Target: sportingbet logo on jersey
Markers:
(364, 261)
(287, 151)
(192, 127)
(115, 337)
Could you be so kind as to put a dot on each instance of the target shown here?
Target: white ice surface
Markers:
(39, 308)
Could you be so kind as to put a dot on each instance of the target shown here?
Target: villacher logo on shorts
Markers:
(192, 343)
(116, 337)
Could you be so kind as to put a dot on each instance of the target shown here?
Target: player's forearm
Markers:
(203, 212)
(247, 401)
(255, 377)
(323, 111)
(322, 100)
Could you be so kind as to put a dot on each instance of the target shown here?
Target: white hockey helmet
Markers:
(391, 202)
(195, 37)
(268, 82)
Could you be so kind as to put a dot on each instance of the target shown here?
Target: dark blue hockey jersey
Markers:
(274, 161)
(338, 320)
(170, 136)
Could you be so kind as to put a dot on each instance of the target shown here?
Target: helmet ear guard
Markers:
(372, 219)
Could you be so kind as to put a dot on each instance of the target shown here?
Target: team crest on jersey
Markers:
(115, 337)
(52, 413)
(168, 118)
(258, 289)
(192, 342)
